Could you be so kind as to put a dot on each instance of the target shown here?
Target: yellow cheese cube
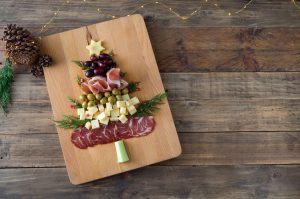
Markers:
(88, 125)
(80, 111)
(108, 106)
(115, 106)
(115, 112)
(101, 108)
(107, 112)
(134, 101)
(104, 120)
(123, 110)
(88, 115)
(82, 116)
(128, 103)
(114, 119)
(92, 110)
(101, 116)
(131, 110)
(123, 119)
(121, 104)
(95, 124)
(126, 97)
(96, 114)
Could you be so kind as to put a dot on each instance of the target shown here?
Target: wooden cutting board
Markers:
(130, 42)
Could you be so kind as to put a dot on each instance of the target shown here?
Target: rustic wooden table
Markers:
(234, 87)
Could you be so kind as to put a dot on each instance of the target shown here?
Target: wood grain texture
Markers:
(43, 150)
(210, 182)
(129, 38)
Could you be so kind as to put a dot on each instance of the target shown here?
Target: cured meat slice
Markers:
(113, 77)
(114, 131)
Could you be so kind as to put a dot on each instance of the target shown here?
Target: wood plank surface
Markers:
(43, 150)
(210, 182)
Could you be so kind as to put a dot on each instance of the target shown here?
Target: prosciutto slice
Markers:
(113, 78)
(114, 131)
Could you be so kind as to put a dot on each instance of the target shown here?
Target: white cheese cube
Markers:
(131, 110)
(104, 120)
(121, 104)
(88, 115)
(115, 106)
(128, 103)
(115, 112)
(123, 119)
(101, 116)
(96, 114)
(126, 97)
(114, 119)
(123, 110)
(107, 112)
(134, 101)
(101, 108)
(80, 111)
(82, 116)
(95, 124)
(88, 125)
(92, 110)
(108, 106)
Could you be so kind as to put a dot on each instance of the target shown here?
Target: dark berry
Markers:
(101, 64)
(88, 63)
(93, 65)
(93, 58)
(89, 73)
(104, 56)
(99, 71)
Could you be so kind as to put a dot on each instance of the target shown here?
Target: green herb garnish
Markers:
(70, 122)
(6, 79)
(74, 102)
(149, 107)
(78, 80)
(79, 63)
(133, 86)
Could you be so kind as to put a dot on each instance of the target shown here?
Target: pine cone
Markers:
(21, 46)
(37, 70)
(45, 61)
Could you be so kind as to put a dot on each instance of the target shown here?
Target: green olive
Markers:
(91, 103)
(107, 94)
(82, 98)
(103, 100)
(125, 91)
(119, 97)
(99, 96)
(84, 104)
(115, 91)
(91, 97)
(112, 99)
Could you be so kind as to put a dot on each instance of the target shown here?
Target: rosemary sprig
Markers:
(133, 86)
(70, 122)
(6, 79)
(79, 63)
(149, 107)
(74, 102)
(78, 80)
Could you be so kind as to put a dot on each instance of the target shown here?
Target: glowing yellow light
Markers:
(245, 6)
(184, 18)
(98, 9)
(206, 0)
(216, 4)
(67, 1)
(128, 15)
(55, 13)
(113, 17)
(170, 8)
(45, 26)
(156, 2)
(142, 6)
(229, 14)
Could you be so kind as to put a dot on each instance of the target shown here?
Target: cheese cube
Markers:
(134, 101)
(82, 116)
(88, 115)
(96, 114)
(121, 104)
(126, 97)
(128, 103)
(101, 116)
(123, 119)
(95, 124)
(123, 110)
(88, 125)
(108, 106)
(104, 120)
(107, 112)
(114, 119)
(80, 111)
(131, 110)
(115, 112)
(92, 110)
(101, 108)
(115, 106)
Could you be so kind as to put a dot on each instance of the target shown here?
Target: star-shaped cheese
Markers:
(95, 48)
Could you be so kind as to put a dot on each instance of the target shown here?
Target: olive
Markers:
(119, 97)
(99, 96)
(82, 98)
(91, 103)
(115, 91)
(91, 97)
(107, 94)
(112, 99)
(84, 104)
(125, 91)
(103, 100)
(89, 73)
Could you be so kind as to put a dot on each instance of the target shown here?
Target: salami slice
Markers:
(114, 131)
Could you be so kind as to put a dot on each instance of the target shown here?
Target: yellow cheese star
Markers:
(95, 48)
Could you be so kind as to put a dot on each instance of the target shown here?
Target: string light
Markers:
(163, 5)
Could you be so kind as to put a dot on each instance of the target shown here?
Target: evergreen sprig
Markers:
(79, 63)
(133, 86)
(6, 79)
(149, 107)
(74, 102)
(70, 122)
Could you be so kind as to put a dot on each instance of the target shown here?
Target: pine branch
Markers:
(74, 102)
(6, 79)
(133, 86)
(79, 63)
(149, 107)
(70, 122)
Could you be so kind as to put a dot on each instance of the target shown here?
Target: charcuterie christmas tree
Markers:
(107, 110)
